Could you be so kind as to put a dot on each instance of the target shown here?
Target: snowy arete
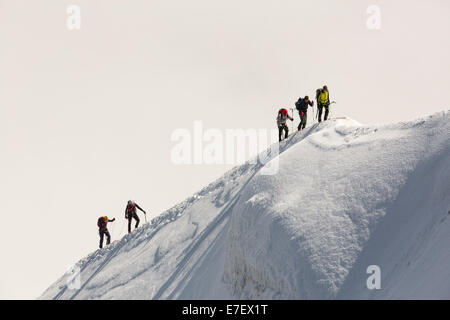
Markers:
(346, 197)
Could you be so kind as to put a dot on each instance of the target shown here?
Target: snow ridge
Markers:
(346, 196)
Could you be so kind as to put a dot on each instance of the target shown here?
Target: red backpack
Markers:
(130, 210)
(101, 223)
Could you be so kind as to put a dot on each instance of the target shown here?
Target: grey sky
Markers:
(86, 116)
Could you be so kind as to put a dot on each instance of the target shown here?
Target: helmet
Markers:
(325, 88)
(306, 98)
(284, 111)
(105, 217)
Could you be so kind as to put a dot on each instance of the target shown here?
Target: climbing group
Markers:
(302, 104)
(130, 214)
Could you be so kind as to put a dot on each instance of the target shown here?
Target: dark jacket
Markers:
(102, 223)
(302, 105)
(130, 210)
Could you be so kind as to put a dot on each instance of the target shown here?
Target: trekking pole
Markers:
(329, 114)
(314, 113)
(121, 228)
(112, 230)
(292, 122)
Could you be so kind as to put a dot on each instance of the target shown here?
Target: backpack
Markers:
(297, 104)
(130, 210)
(318, 92)
(281, 111)
(101, 222)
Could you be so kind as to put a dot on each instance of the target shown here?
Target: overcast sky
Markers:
(86, 116)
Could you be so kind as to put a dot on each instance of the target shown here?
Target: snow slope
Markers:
(346, 196)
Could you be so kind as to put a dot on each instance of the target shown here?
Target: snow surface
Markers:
(346, 196)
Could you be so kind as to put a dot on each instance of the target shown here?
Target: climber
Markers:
(281, 122)
(323, 101)
(102, 223)
(130, 213)
(302, 107)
